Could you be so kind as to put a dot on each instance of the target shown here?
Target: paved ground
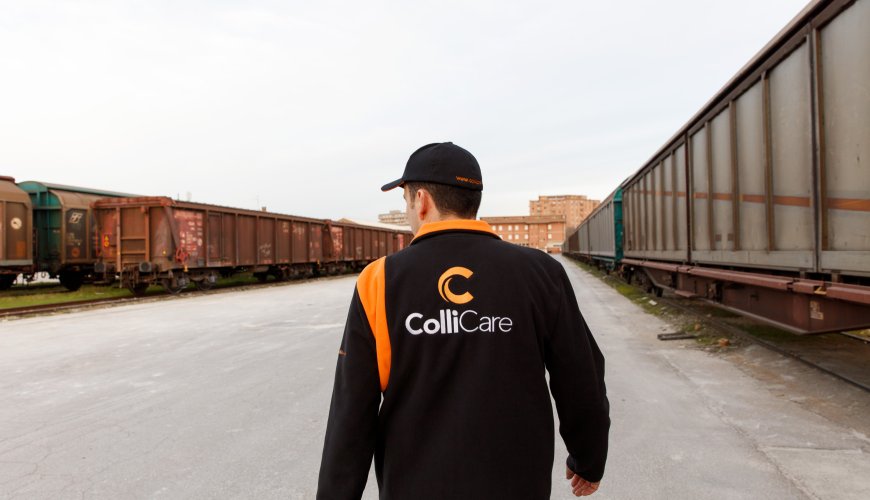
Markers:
(225, 396)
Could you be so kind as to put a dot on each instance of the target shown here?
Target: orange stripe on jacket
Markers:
(454, 224)
(371, 289)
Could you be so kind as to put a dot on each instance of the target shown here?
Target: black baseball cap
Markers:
(441, 163)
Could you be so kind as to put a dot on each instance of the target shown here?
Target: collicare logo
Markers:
(444, 285)
(451, 321)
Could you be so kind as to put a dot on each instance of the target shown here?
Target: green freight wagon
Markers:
(64, 238)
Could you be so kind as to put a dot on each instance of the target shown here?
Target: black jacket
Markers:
(441, 374)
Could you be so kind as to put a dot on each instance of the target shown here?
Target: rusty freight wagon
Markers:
(16, 232)
(761, 202)
(157, 240)
(356, 244)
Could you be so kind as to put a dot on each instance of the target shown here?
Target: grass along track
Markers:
(43, 299)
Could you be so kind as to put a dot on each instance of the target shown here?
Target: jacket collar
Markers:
(462, 225)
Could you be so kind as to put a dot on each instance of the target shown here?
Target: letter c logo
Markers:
(444, 285)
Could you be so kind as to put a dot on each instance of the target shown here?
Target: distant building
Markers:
(574, 207)
(545, 232)
(396, 217)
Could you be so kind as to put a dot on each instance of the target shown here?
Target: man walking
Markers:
(441, 374)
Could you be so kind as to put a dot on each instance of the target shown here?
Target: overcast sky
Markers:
(309, 107)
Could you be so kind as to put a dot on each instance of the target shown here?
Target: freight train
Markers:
(761, 202)
(82, 235)
(157, 240)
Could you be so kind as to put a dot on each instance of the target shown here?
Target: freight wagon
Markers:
(598, 239)
(157, 240)
(761, 202)
(64, 241)
(16, 233)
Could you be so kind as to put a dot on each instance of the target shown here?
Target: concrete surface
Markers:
(225, 395)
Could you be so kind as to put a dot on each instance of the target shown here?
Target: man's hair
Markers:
(456, 201)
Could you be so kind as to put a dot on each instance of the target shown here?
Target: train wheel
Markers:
(172, 286)
(6, 281)
(71, 280)
(204, 284)
(139, 289)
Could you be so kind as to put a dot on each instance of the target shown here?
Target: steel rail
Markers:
(29, 311)
(737, 332)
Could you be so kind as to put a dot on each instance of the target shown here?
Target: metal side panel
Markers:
(668, 192)
(670, 255)
(792, 261)
(131, 240)
(699, 194)
(626, 217)
(282, 246)
(246, 232)
(753, 221)
(315, 242)
(791, 153)
(657, 223)
(228, 240)
(722, 186)
(16, 233)
(266, 245)
(681, 217)
(845, 96)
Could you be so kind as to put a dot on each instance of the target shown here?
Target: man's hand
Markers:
(580, 486)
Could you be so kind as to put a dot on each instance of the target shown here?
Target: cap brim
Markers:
(396, 183)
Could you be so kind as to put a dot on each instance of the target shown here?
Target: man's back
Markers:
(464, 327)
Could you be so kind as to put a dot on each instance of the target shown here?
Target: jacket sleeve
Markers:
(353, 414)
(576, 368)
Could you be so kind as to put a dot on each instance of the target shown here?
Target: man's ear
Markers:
(424, 201)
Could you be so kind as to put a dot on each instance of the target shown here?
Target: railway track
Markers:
(841, 355)
(36, 310)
